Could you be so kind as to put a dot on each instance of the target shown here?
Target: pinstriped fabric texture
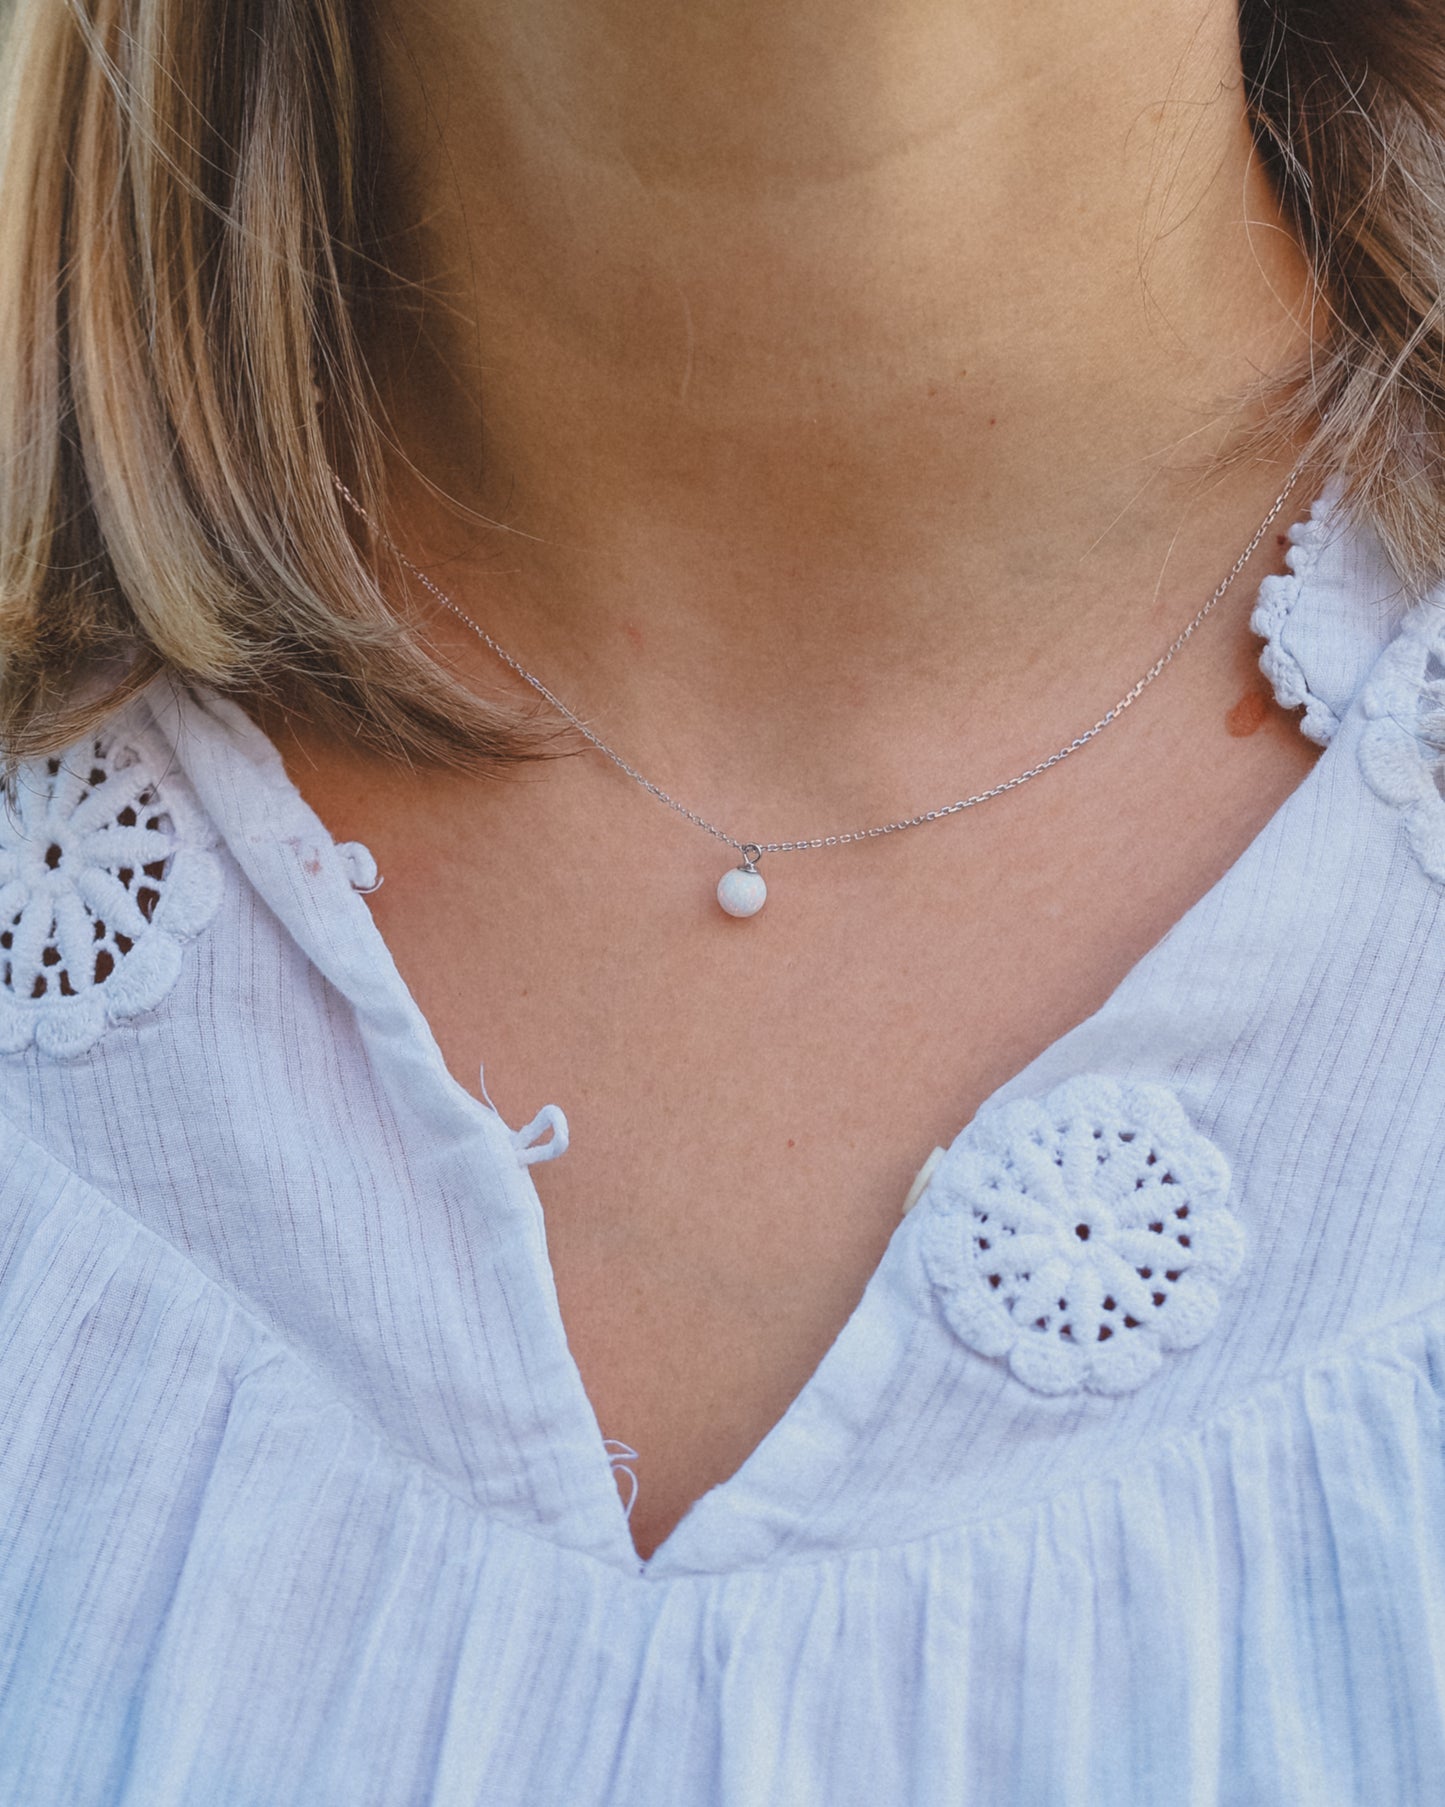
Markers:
(302, 1502)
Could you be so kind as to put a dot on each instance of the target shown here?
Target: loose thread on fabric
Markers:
(619, 1457)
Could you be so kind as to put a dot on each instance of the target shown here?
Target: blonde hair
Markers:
(189, 248)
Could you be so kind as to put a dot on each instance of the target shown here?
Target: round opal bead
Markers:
(742, 892)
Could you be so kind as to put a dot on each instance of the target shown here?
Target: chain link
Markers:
(753, 850)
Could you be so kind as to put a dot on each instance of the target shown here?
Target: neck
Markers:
(824, 339)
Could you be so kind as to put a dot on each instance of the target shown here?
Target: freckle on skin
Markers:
(1248, 714)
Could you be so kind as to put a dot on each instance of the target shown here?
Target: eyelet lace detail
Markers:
(105, 871)
(1277, 599)
(1081, 1235)
(1402, 747)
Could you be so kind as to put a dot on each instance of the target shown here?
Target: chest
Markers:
(749, 1101)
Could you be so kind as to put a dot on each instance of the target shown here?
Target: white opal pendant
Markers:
(743, 891)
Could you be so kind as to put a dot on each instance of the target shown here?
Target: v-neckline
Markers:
(868, 1340)
(283, 828)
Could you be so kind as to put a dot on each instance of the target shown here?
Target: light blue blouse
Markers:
(1124, 1483)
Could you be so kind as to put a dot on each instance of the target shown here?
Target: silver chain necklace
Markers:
(742, 891)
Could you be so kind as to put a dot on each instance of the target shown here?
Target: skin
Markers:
(833, 390)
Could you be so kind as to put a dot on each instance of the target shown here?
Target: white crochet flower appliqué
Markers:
(1402, 748)
(1082, 1235)
(104, 874)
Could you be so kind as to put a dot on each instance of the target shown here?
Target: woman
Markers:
(811, 419)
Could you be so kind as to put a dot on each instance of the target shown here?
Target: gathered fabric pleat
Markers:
(256, 1599)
